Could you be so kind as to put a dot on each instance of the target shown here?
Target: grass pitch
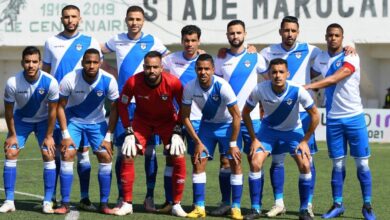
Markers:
(30, 169)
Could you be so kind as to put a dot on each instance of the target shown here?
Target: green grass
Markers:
(29, 180)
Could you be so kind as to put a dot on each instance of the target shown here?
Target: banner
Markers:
(377, 121)
(30, 22)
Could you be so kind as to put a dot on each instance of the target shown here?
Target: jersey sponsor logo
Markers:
(99, 93)
(143, 97)
(247, 63)
(125, 99)
(41, 91)
(79, 92)
(59, 46)
(21, 92)
(164, 97)
(179, 64)
(298, 55)
(323, 63)
(79, 47)
(289, 101)
(215, 97)
(269, 101)
(143, 46)
(197, 96)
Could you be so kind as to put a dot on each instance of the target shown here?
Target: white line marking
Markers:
(73, 214)
(30, 159)
(26, 194)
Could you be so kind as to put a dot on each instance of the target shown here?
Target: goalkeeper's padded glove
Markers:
(131, 145)
(177, 146)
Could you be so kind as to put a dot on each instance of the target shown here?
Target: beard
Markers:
(71, 30)
(236, 45)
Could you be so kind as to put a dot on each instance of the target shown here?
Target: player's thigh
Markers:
(223, 133)
(207, 136)
(269, 139)
(356, 132)
(40, 131)
(84, 142)
(23, 130)
(95, 134)
(142, 132)
(306, 120)
(76, 131)
(335, 138)
(291, 139)
(190, 141)
(165, 132)
(245, 134)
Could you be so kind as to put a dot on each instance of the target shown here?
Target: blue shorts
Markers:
(94, 132)
(23, 130)
(57, 136)
(245, 135)
(190, 141)
(271, 139)
(119, 134)
(351, 130)
(212, 134)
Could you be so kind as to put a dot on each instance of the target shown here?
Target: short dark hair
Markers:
(30, 50)
(289, 19)
(335, 25)
(236, 22)
(152, 54)
(205, 57)
(91, 51)
(190, 29)
(69, 7)
(135, 8)
(278, 61)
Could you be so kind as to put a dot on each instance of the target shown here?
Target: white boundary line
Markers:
(25, 194)
(30, 159)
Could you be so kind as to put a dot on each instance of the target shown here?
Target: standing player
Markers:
(182, 65)
(280, 100)
(62, 54)
(81, 104)
(345, 122)
(130, 49)
(220, 124)
(30, 102)
(241, 70)
(299, 57)
(155, 93)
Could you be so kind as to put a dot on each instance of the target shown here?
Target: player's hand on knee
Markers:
(235, 153)
(107, 144)
(303, 147)
(255, 146)
(48, 142)
(9, 142)
(130, 146)
(199, 149)
(66, 143)
(177, 146)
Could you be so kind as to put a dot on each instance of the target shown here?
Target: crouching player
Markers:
(81, 111)
(30, 102)
(280, 100)
(155, 92)
(220, 124)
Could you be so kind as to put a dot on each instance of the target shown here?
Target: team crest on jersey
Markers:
(143, 46)
(289, 101)
(338, 63)
(99, 93)
(215, 97)
(41, 91)
(79, 47)
(298, 55)
(164, 97)
(247, 63)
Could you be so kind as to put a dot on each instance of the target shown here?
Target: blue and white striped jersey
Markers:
(184, 70)
(241, 70)
(130, 53)
(31, 99)
(213, 102)
(281, 111)
(64, 54)
(86, 101)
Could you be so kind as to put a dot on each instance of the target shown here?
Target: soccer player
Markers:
(299, 57)
(241, 70)
(345, 122)
(155, 93)
(280, 100)
(81, 104)
(182, 65)
(30, 102)
(63, 54)
(220, 124)
(130, 49)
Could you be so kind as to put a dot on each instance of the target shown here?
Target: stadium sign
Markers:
(377, 121)
(25, 22)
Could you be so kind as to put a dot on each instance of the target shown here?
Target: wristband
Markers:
(65, 134)
(233, 143)
(109, 137)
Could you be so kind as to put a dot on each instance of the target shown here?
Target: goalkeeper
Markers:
(155, 92)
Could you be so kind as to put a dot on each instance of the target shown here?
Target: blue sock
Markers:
(199, 188)
(224, 184)
(104, 177)
(150, 171)
(9, 177)
(66, 180)
(49, 179)
(168, 184)
(255, 189)
(84, 172)
(304, 189)
(236, 180)
(118, 163)
(313, 180)
(337, 183)
(277, 179)
(364, 176)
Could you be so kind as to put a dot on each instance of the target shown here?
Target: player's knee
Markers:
(46, 156)
(68, 155)
(224, 162)
(103, 157)
(362, 164)
(278, 160)
(11, 154)
(255, 165)
(339, 164)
